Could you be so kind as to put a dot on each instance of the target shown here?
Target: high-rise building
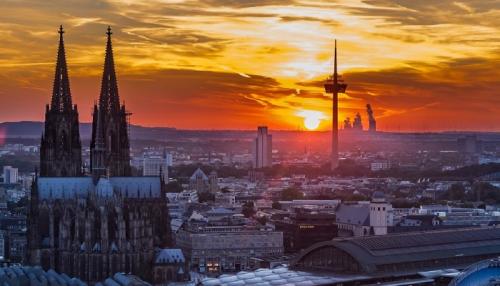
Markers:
(262, 148)
(10, 175)
(61, 148)
(169, 159)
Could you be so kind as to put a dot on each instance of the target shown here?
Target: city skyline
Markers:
(201, 64)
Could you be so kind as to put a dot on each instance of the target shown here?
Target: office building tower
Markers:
(10, 175)
(262, 149)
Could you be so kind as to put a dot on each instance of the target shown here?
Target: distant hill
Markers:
(22, 129)
(30, 130)
(34, 129)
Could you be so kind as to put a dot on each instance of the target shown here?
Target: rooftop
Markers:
(373, 252)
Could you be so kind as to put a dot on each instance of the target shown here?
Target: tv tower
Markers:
(335, 85)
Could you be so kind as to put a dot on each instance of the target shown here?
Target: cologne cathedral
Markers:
(93, 225)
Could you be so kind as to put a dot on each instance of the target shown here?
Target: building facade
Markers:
(215, 249)
(93, 226)
(170, 265)
(365, 218)
(304, 229)
(10, 175)
(262, 148)
(155, 165)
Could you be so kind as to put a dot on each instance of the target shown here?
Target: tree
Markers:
(403, 203)
(290, 194)
(276, 205)
(173, 187)
(456, 192)
(349, 168)
(206, 197)
(486, 192)
(248, 209)
(262, 220)
(356, 198)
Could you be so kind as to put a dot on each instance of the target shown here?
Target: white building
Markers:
(186, 196)
(381, 215)
(169, 159)
(153, 165)
(380, 166)
(10, 175)
(262, 148)
(365, 218)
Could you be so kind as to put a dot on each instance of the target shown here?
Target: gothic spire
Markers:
(98, 153)
(61, 95)
(109, 99)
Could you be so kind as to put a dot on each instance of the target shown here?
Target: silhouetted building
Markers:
(347, 123)
(110, 145)
(262, 149)
(61, 148)
(372, 123)
(94, 227)
(357, 124)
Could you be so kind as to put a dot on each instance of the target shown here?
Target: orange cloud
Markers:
(212, 64)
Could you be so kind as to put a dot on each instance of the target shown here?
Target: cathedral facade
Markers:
(93, 225)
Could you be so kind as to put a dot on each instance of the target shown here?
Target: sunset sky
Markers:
(425, 65)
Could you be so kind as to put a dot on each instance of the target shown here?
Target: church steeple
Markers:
(109, 99)
(61, 95)
(60, 149)
(110, 146)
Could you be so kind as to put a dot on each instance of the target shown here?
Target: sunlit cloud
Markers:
(419, 63)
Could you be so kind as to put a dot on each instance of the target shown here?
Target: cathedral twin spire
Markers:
(61, 95)
(60, 154)
(110, 149)
(109, 99)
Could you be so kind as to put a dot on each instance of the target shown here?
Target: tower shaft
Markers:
(335, 115)
(335, 85)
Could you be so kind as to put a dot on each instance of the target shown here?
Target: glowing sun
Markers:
(312, 118)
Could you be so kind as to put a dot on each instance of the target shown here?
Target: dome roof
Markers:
(482, 273)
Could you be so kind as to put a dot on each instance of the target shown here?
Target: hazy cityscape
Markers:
(95, 197)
